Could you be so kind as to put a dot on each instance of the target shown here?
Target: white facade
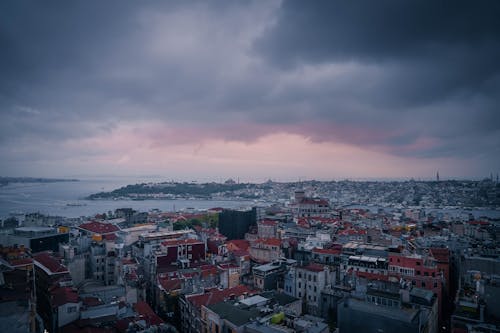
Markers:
(68, 313)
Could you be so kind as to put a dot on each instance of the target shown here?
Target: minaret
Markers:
(437, 176)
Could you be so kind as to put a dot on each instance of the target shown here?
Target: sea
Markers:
(67, 199)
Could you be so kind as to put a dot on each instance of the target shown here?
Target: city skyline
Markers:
(282, 90)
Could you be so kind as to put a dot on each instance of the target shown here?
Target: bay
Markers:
(68, 198)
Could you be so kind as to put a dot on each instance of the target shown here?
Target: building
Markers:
(229, 275)
(181, 250)
(266, 250)
(271, 276)
(36, 238)
(310, 207)
(103, 264)
(233, 315)
(267, 229)
(66, 305)
(421, 271)
(307, 283)
(190, 305)
(477, 304)
(386, 311)
(50, 274)
(235, 223)
(99, 229)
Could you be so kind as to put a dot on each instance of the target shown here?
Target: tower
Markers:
(437, 176)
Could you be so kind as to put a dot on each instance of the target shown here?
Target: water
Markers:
(67, 198)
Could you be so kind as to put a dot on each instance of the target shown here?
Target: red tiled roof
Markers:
(269, 241)
(215, 296)
(21, 262)
(145, 310)
(479, 223)
(268, 222)
(170, 284)
(327, 251)
(229, 265)
(241, 253)
(314, 267)
(212, 270)
(440, 254)
(314, 201)
(98, 227)
(91, 301)
(50, 263)
(241, 244)
(176, 242)
(63, 295)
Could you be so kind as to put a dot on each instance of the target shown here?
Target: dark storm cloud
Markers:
(83, 61)
(439, 70)
(412, 78)
(315, 31)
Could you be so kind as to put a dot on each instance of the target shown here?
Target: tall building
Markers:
(235, 223)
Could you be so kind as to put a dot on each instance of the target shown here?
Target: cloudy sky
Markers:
(256, 90)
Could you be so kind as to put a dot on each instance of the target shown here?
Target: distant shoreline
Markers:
(4, 181)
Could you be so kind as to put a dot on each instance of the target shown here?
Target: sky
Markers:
(255, 90)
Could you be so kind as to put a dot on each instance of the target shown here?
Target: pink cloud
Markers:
(279, 154)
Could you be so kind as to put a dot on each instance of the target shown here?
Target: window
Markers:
(433, 274)
(309, 277)
(300, 295)
(426, 273)
(435, 284)
(71, 309)
(300, 275)
(190, 247)
(423, 284)
(418, 272)
(314, 278)
(315, 298)
(300, 285)
(315, 289)
(418, 263)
